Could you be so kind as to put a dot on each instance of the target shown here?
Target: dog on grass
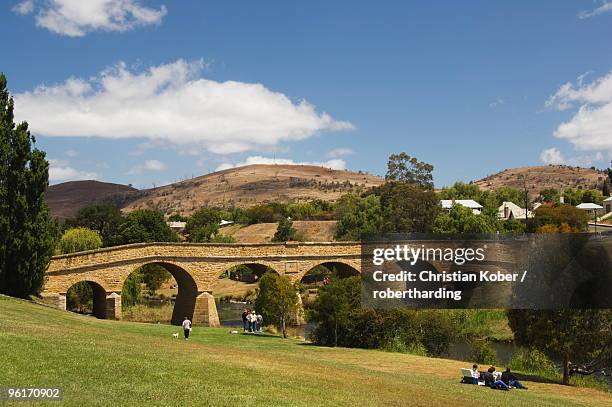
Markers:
(175, 335)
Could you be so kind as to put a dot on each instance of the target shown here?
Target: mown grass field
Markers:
(110, 363)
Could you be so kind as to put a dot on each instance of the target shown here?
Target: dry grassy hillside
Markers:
(254, 184)
(542, 177)
(313, 231)
(65, 199)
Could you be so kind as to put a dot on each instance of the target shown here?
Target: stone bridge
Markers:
(195, 267)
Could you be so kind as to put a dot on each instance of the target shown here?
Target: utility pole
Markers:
(524, 178)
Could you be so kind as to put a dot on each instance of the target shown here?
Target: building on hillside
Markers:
(607, 204)
(177, 226)
(510, 210)
(590, 206)
(225, 222)
(468, 203)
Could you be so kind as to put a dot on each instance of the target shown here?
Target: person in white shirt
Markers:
(475, 374)
(186, 327)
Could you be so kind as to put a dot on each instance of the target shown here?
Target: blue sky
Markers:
(149, 92)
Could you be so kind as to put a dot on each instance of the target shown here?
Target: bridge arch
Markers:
(98, 297)
(185, 302)
(342, 269)
(258, 267)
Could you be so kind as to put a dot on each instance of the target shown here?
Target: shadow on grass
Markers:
(536, 378)
(260, 335)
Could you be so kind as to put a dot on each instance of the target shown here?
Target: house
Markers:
(589, 206)
(177, 226)
(510, 210)
(468, 203)
(607, 204)
(225, 222)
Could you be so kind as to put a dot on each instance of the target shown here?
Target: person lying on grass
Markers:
(511, 380)
(491, 382)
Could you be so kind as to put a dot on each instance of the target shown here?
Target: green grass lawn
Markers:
(108, 363)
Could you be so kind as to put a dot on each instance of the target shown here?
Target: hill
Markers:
(65, 199)
(543, 177)
(254, 184)
(103, 363)
(313, 231)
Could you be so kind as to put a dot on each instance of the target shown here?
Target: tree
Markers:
(202, 225)
(142, 226)
(285, 231)
(332, 308)
(260, 214)
(103, 217)
(605, 189)
(358, 216)
(407, 207)
(277, 300)
(79, 239)
(80, 296)
(404, 168)
(132, 290)
(546, 215)
(550, 195)
(177, 217)
(154, 275)
(572, 196)
(592, 195)
(462, 220)
(461, 190)
(26, 232)
(577, 337)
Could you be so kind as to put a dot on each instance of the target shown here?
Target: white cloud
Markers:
(605, 7)
(554, 156)
(590, 128)
(71, 153)
(497, 102)
(172, 104)
(340, 152)
(25, 7)
(75, 18)
(148, 165)
(335, 164)
(60, 170)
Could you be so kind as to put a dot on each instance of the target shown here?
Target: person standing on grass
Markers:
(250, 321)
(186, 327)
(245, 315)
(254, 320)
(259, 322)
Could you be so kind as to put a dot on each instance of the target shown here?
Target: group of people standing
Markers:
(252, 321)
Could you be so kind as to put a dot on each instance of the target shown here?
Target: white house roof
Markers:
(177, 225)
(608, 199)
(225, 222)
(509, 209)
(468, 203)
(589, 205)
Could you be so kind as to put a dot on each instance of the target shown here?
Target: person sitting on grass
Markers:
(490, 380)
(475, 374)
(511, 380)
